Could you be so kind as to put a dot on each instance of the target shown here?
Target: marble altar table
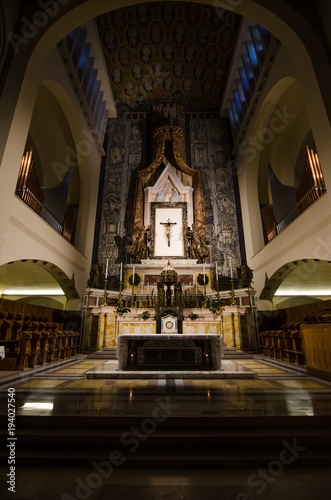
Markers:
(170, 352)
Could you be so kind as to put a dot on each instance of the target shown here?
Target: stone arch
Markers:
(33, 276)
(302, 278)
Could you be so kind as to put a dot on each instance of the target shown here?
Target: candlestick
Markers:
(121, 272)
(105, 294)
(106, 269)
(133, 275)
(132, 297)
(120, 303)
(216, 271)
(231, 268)
(233, 299)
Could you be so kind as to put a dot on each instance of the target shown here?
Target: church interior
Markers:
(165, 249)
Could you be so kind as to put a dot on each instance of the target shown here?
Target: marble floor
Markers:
(277, 389)
(64, 390)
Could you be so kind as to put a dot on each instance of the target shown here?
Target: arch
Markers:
(67, 157)
(18, 91)
(51, 137)
(292, 28)
(26, 278)
(309, 278)
(282, 144)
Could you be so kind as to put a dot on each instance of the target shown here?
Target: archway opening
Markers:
(36, 282)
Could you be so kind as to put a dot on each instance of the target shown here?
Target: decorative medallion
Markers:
(169, 51)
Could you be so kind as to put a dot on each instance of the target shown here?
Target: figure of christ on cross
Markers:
(167, 225)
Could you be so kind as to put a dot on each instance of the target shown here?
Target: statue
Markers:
(140, 240)
(178, 294)
(148, 236)
(168, 296)
(198, 248)
(167, 226)
(246, 275)
(160, 294)
(95, 274)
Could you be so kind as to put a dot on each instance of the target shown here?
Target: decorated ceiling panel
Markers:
(163, 51)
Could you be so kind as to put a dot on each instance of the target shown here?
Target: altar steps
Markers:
(232, 353)
(178, 442)
(106, 353)
(110, 353)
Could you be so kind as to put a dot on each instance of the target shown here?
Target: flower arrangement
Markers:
(215, 306)
(145, 315)
(193, 316)
(121, 309)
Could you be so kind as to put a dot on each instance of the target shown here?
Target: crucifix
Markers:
(167, 226)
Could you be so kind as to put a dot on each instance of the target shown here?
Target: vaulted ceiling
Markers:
(164, 51)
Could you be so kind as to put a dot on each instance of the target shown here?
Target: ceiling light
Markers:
(39, 406)
(36, 291)
(306, 293)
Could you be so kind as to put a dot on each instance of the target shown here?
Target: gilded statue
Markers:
(198, 248)
(95, 275)
(246, 275)
(140, 243)
(160, 294)
(178, 294)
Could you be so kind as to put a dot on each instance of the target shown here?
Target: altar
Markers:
(165, 277)
(170, 352)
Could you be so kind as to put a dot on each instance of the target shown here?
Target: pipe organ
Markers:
(312, 184)
(49, 203)
(28, 187)
(290, 201)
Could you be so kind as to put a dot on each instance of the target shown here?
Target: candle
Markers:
(190, 288)
(216, 271)
(204, 274)
(133, 275)
(121, 271)
(231, 268)
(196, 287)
(106, 269)
(147, 288)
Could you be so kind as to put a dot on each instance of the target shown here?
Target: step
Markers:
(179, 441)
(172, 458)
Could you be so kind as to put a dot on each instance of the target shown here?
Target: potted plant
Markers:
(193, 316)
(215, 307)
(145, 315)
(121, 309)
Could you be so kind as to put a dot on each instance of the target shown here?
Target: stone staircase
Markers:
(106, 353)
(232, 353)
(201, 442)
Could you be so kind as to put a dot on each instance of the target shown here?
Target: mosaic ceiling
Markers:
(168, 51)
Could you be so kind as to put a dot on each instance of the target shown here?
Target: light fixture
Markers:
(35, 291)
(288, 292)
(38, 406)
